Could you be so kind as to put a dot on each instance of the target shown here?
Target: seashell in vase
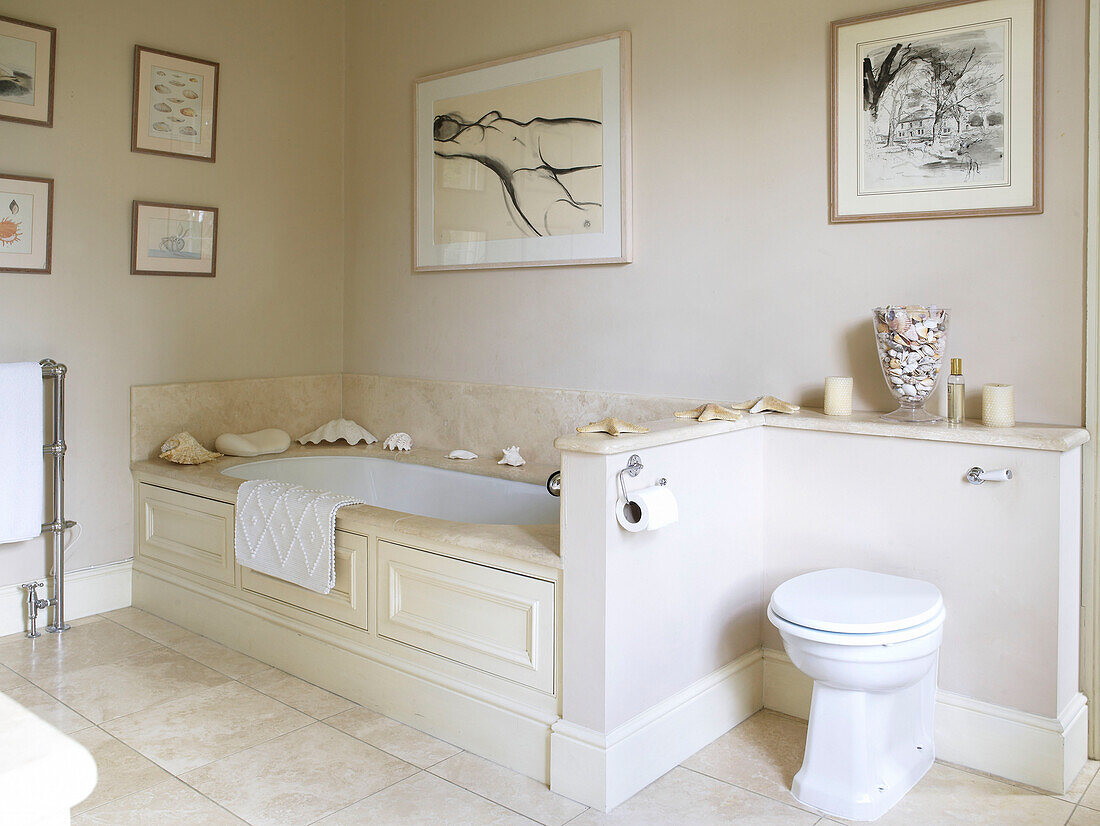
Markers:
(184, 449)
(512, 457)
(398, 441)
(336, 430)
(461, 454)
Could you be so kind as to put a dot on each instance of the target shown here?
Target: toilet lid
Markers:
(851, 601)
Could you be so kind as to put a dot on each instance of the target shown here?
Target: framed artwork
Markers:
(173, 239)
(175, 105)
(937, 112)
(26, 224)
(525, 162)
(27, 56)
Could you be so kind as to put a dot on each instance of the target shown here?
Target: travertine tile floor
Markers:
(186, 731)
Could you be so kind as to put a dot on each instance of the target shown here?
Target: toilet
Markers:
(870, 642)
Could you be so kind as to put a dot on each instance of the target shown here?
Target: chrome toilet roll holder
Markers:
(633, 467)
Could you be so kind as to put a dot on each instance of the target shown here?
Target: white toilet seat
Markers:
(785, 626)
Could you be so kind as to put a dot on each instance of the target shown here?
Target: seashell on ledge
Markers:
(184, 449)
(270, 440)
(398, 441)
(461, 454)
(512, 457)
(336, 430)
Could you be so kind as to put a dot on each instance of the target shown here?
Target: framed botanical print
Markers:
(937, 112)
(26, 224)
(173, 239)
(525, 162)
(27, 57)
(175, 105)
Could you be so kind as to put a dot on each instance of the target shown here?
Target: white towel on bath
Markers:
(22, 467)
(289, 532)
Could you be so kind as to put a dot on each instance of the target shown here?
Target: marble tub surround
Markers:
(207, 409)
(531, 543)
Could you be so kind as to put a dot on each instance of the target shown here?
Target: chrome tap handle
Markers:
(976, 475)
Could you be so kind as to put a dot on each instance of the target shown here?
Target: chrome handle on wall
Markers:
(553, 484)
(976, 475)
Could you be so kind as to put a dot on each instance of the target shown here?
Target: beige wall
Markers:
(739, 285)
(273, 308)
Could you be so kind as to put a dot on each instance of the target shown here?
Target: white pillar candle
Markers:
(838, 395)
(998, 405)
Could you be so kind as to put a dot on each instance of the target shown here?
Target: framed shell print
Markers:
(173, 239)
(26, 224)
(27, 58)
(175, 105)
(525, 162)
(937, 112)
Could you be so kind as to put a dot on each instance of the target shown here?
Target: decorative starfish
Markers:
(766, 404)
(709, 412)
(613, 427)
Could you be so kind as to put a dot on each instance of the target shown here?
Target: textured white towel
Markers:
(22, 467)
(289, 532)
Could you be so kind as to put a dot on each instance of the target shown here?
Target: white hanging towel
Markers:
(289, 532)
(22, 467)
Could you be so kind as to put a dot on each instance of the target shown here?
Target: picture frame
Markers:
(173, 239)
(480, 203)
(28, 53)
(936, 111)
(26, 224)
(175, 110)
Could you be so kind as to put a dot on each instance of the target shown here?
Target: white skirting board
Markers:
(604, 770)
(87, 592)
(1045, 752)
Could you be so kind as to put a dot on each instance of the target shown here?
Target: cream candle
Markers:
(838, 395)
(998, 405)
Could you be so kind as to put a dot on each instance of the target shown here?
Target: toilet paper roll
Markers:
(648, 509)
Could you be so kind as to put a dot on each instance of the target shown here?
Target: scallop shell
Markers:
(184, 449)
(187, 93)
(187, 112)
(398, 441)
(188, 130)
(461, 454)
(162, 107)
(164, 90)
(161, 126)
(512, 457)
(897, 320)
(336, 430)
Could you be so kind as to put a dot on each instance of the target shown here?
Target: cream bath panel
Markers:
(493, 620)
(346, 602)
(187, 532)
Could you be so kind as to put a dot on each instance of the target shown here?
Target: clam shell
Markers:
(337, 430)
(162, 107)
(398, 441)
(898, 320)
(164, 90)
(177, 82)
(177, 100)
(187, 112)
(161, 126)
(188, 130)
(461, 454)
(187, 93)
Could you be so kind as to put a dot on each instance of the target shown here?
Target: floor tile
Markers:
(9, 679)
(299, 777)
(947, 795)
(170, 803)
(147, 625)
(1091, 795)
(56, 713)
(400, 740)
(306, 697)
(122, 770)
(762, 754)
(1077, 790)
(103, 692)
(508, 788)
(1083, 816)
(428, 801)
(197, 729)
(217, 656)
(83, 645)
(686, 797)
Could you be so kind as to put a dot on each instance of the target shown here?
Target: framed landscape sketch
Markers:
(173, 239)
(27, 57)
(525, 161)
(937, 112)
(26, 224)
(175, 105)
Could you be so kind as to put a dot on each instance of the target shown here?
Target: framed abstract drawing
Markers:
(175, 105)
(27, 57)
(173, 239)
(525, 162)
(26, 224)
(937, 112)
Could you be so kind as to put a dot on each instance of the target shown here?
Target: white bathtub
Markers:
(414, 489)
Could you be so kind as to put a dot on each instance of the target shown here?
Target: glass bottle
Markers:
(956, 393)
